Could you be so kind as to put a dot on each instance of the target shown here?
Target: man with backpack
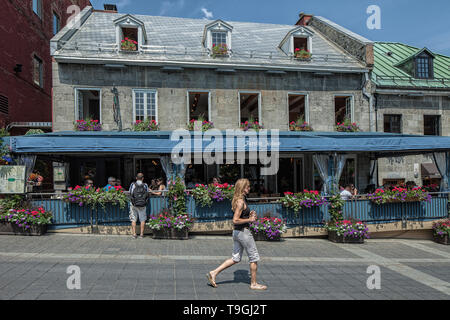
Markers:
(139, 194)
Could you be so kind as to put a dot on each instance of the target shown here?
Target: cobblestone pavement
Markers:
(120, 267)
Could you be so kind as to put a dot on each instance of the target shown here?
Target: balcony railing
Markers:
(181, 52)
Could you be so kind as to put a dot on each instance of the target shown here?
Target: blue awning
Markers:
(160, 142)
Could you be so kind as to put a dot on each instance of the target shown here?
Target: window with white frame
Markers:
(343, 107)
(249, 106)
(145, 105)
(198, 105)
(219, 37)
(88, 102)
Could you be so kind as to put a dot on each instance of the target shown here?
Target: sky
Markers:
(417, 23)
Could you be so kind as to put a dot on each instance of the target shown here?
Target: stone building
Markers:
(411, 88)
(178, 73)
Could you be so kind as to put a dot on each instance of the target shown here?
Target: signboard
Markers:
(59, 174)
(12, 179)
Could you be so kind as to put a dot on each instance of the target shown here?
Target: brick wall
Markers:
(24, 35)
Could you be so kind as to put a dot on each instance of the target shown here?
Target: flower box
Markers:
(171, 234)
(220, 50)
(261, 236)
(333, 236)
(442, 239)
(6, 227)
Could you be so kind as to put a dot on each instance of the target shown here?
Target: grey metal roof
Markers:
(179, 40)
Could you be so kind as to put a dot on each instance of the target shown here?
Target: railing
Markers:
(410, 80)
(195, 52)
(67, 215)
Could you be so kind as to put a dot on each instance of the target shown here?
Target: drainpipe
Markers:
(368, 96)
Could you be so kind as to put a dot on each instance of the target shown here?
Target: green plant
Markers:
(300, 125)
(204, 195)
(399, 194)
(219, 50)
(302, 54)
(271, 227)
(441, 228)
(206, 125)
(347, 126)
(128, 44)
(11, 202)
(251, 124)
(146, 125)
(335, 208)
(4, 149)
(97, 197)
(167, 221)
(305, 199)
(348, 228)
(177, 196)
(34, 131)
(26, 217)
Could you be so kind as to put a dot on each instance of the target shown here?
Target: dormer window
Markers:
(217, 38)
(418, 65)
(298, 43)
(423, 68)
(130, 33)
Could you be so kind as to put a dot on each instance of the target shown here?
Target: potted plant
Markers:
(441, 231)
(88, 125)
(300, 125)
(220, 50)
(205, 195)
(128, 44)
(81, 196)
(146, 125)
(114, 196)
(251, 124)
(32, 222)
(167, 226)
(200, 123)
(267, 229)
(302, 54)
(300, 200)
(347, 126)
(347, 231)
(399, 194)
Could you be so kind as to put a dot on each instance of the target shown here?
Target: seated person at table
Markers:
(346, 194)
(111, 184)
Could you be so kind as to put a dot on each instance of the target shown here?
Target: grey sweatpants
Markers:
(243, 239)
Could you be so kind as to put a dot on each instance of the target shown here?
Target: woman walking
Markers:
(242, 236)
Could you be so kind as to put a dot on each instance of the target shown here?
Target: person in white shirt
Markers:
(346, 194)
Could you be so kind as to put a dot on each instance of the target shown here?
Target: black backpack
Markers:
(139, 197)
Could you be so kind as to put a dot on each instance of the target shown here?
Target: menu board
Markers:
(12, 179)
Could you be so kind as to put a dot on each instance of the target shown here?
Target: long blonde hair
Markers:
(239, 187)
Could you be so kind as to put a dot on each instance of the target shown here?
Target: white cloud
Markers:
(208, 14)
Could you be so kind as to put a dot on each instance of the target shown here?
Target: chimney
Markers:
(110, 8)
(304, 19)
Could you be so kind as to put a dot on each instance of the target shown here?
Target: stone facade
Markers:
(224, 90)
(412, 110)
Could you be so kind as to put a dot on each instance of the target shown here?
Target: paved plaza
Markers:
(120, 267)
